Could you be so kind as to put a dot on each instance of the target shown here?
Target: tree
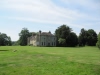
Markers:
(72, 40)
(62, 33)
(65, 37)
(9, 41)
(33, 33)
(98, 42)
(87, 37)
(24, 34)
(62, 42)
(82, 37)
(4, 39)
(91, 38)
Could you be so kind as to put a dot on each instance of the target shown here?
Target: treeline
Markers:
(65, 37)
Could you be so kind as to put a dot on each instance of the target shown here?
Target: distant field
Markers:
(49, 60)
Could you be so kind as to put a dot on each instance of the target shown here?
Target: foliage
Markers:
(63, 31)
(33, 33)
(82, 37)
(65, 37)
(24, 34)
(98, 42)
(72, 40)
(62, 42)
(5, 40)
(87, 37)
(91, 38)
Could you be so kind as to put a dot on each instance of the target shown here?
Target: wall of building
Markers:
(42, 40)
(48, 41)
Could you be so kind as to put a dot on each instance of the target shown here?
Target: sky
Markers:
(48, 15)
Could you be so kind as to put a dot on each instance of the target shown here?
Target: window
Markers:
(54, 38)
(52, 43)
(42, 43)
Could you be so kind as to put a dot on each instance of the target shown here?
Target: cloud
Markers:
(42, 11)
(47, 12)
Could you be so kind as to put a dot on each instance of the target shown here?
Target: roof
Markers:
(46, 33)
(43, 33)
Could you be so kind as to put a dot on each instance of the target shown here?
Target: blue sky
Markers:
(47, 15)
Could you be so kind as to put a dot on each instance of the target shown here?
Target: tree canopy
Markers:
(91, 38)
(98, 42)
(82, 37)
(65, 36)
(5, 40)
(62, 33)
(87, 37)
(24, 34)
(72, 40)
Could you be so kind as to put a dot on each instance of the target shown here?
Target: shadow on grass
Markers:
(3, 50)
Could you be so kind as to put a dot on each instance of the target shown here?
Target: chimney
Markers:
(39, 31)
(49, 32)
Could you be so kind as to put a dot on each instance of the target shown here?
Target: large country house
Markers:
(42, 39)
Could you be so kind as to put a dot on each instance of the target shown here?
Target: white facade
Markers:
(42, 39)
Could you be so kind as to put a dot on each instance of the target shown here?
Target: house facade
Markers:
(42, 39)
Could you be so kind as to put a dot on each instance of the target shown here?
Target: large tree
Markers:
(24, 34)
(87, 37)
(98, 42)
(62, 33)
(91, 38)
(66, 37)
(82, 37)
(9, 41)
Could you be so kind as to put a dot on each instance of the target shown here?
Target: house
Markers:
(42, 39)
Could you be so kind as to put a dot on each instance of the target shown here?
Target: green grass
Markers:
(49, 60)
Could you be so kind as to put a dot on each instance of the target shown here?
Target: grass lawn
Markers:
(29, 60)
